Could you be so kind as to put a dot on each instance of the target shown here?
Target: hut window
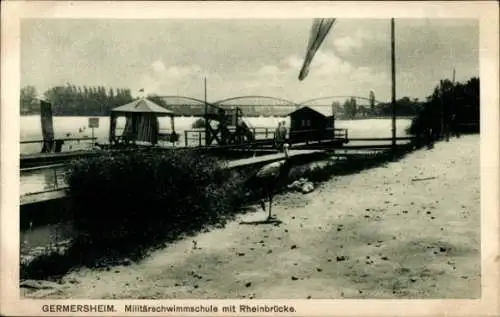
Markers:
(306, 123)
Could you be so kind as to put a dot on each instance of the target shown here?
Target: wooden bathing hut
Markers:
(307, 124)
(141, 123)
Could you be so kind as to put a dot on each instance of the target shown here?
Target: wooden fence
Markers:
(196, 137)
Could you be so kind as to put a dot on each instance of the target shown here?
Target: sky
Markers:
(247, 56)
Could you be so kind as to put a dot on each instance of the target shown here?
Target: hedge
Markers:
(129, 202)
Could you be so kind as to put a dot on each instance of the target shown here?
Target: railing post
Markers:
(199, 139)
(266, 133)
(55, 178)
(186, 138)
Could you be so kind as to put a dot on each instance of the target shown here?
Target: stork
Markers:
(271, 177)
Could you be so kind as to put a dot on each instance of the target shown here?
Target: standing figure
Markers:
(284, 132)
(279, 140)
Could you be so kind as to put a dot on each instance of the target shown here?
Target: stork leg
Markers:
(269, 217)
(263, 205)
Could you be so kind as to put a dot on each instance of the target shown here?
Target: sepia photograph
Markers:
(298, 158)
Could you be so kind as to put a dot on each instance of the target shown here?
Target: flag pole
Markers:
(451, 119)
(393, 73)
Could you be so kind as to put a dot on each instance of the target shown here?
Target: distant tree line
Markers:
(448, 98)
(351, 110)
(404, 107)
(71, 100)
(460, 98)
(454, 104)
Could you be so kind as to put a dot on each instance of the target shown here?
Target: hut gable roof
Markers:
(143, 105)
(324, 112)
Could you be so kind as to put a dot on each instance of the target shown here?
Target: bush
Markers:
(427, 117)
(129, 202)
(462, 99)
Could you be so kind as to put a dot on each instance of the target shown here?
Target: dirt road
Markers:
(376, 234)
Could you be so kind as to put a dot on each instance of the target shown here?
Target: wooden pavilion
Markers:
(141, 122)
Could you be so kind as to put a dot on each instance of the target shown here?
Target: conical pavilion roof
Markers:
(143, 105)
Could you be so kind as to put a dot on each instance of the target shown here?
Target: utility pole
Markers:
(206, 111)
(393, 73)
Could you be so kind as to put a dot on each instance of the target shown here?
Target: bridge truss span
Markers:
(255, 106)
(328, 100)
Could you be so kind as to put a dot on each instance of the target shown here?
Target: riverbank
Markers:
(64, 126)
(409, 229)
